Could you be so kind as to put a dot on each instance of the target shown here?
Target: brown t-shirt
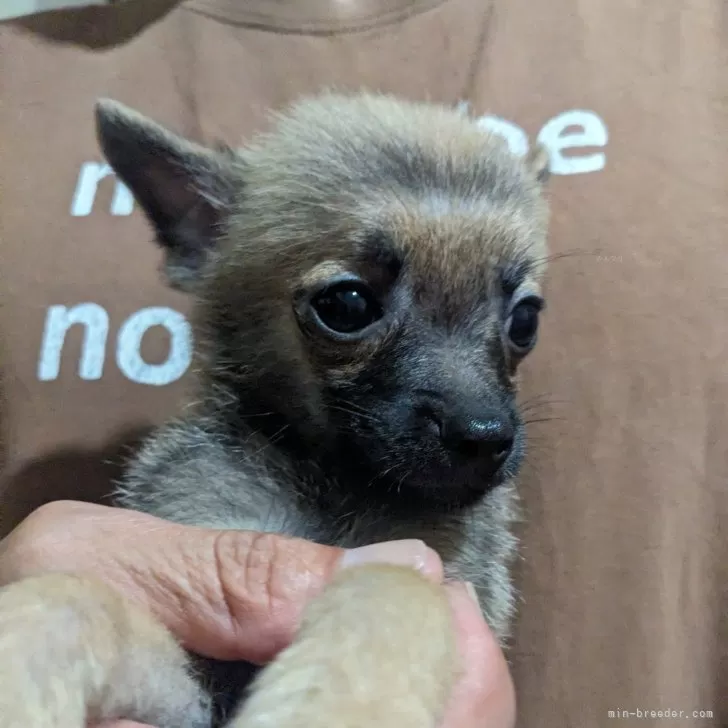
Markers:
(625, 543)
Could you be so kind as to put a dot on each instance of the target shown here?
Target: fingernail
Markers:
(473, 594)
(404, 553)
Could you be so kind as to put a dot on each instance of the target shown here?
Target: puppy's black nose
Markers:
(489, 434)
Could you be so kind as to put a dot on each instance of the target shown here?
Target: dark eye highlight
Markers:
(522, 324)
(347, 307)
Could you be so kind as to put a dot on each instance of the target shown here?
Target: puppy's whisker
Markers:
(356, 413)
(539, 420)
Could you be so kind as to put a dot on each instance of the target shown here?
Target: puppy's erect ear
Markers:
(184, 188)
(538, 162)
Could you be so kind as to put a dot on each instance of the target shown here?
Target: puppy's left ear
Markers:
(538, 163)
(186, 190)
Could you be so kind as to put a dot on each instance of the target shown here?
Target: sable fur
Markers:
(297, 433)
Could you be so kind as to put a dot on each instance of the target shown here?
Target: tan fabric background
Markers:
(625, 547)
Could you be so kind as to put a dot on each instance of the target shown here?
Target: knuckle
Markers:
(266, 580)
(253, 568)
(37, 544)
(262, 566)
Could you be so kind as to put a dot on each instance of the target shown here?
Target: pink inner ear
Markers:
(184, 189)
(168, 175)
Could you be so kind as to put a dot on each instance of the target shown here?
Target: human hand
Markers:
(239, 595)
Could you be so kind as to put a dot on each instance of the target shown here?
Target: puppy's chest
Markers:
(449, 537)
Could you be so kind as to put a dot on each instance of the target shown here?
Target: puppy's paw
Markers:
(377, 649)
(73, 652)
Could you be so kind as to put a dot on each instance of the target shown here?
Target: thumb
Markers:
(231, 595)
(241, 594)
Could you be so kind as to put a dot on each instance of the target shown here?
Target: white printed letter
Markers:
(592, 133)
(59, 320)
(515, 136)
(87, 186)
(128, 356)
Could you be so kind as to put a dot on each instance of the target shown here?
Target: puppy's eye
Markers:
(522, 324)
(347, 307)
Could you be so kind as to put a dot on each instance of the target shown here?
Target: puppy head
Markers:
(367, 277)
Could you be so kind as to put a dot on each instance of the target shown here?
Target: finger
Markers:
(484, 697)
(224, 594)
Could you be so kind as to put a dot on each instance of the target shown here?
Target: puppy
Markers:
(367, 280)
